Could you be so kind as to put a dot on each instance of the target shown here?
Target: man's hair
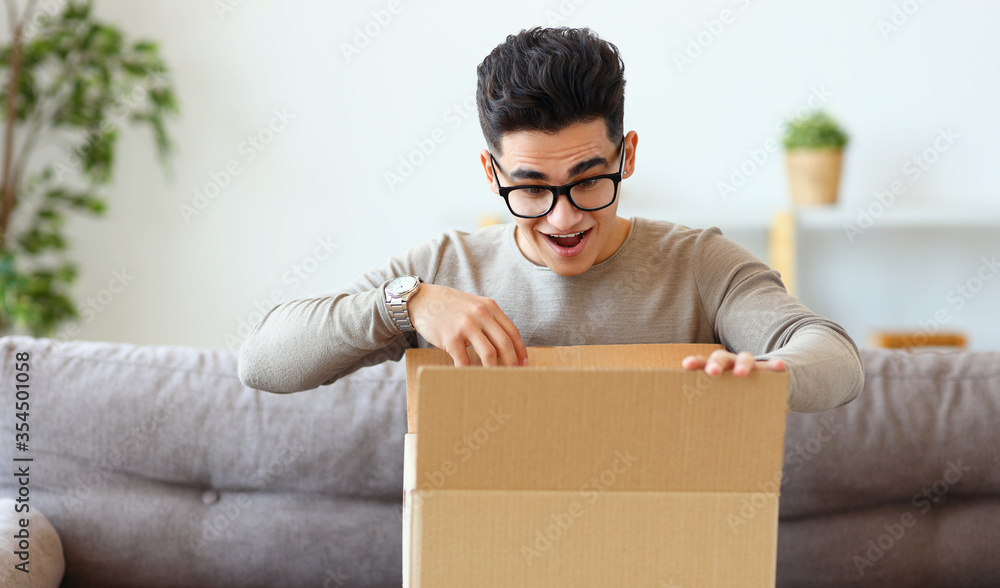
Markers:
(545, 79)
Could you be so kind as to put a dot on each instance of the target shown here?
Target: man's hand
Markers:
(453, 320)
(721, 360)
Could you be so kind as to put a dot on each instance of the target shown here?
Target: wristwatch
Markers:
(397, 293)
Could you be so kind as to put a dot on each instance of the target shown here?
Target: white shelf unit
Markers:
(835, 218)
(784, 225)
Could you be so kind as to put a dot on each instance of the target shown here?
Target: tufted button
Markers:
(210, 497)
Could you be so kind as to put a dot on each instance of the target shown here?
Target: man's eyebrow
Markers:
(530, 174)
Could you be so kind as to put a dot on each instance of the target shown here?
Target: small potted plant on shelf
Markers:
(814, 147)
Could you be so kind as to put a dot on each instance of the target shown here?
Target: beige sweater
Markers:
(666, 284)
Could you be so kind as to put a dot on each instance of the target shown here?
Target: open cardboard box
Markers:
(596, 466)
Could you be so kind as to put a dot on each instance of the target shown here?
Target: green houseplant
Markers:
(69, 83)
(814, 147)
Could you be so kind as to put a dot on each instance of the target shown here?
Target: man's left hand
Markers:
(722, 360)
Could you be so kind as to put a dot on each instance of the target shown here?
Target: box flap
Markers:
(541, 428)
(611, 356)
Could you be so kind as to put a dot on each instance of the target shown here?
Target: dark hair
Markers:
(545, 79)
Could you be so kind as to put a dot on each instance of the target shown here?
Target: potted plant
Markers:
(68, 83)
(814, 147)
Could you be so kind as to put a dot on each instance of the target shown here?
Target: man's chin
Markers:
(568, 272)
(567, 266)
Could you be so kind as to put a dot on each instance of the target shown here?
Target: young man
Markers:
(568, 270)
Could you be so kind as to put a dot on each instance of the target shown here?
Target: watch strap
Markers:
(400, 314)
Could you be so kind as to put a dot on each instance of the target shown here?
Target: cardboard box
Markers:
(591, 468)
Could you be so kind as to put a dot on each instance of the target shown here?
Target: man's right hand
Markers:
(453, 320)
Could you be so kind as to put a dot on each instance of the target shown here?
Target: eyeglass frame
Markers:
(556, 191)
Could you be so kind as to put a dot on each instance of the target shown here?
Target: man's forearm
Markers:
(302, 344)
(825, 369)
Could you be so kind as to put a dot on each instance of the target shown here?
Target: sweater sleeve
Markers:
(751, 311)
(304, 343)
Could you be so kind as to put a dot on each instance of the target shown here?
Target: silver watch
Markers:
(397, 293)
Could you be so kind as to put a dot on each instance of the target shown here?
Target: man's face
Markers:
(579, 151)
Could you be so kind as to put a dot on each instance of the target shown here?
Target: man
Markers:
(568, 270)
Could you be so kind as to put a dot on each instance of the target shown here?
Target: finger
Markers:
(693, 362)
(745, 363)
(514, 336)
(484, 349)
(459, 354)
(501, 341)
(719, 361)
(774, 365)
(461, 357)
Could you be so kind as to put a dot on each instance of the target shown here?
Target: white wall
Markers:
(322, 177)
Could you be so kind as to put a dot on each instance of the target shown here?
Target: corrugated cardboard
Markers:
(610, 356)
(593, 476)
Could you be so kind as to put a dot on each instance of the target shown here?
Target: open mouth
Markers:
(569, 244)
(569, 240)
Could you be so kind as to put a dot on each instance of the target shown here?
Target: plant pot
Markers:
(814, 175)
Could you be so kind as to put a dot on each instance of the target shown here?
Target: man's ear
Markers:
(484, 159)
(631, 140)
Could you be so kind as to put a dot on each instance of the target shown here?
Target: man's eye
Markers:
(534, 192)
(587, 184)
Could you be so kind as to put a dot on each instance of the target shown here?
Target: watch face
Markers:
(401, 285)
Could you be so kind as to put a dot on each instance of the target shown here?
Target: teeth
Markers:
(569, 235)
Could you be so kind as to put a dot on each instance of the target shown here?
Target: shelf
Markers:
(835, 218)
(900, 217)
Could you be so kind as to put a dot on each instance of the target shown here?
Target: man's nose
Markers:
(564, 215)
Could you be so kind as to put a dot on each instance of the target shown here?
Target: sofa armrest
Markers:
(31, 556)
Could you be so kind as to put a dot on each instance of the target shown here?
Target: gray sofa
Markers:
(157, 467)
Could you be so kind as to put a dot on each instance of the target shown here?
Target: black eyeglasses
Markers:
(588, 194)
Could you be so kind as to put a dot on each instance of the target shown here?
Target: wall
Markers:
(311, 206)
